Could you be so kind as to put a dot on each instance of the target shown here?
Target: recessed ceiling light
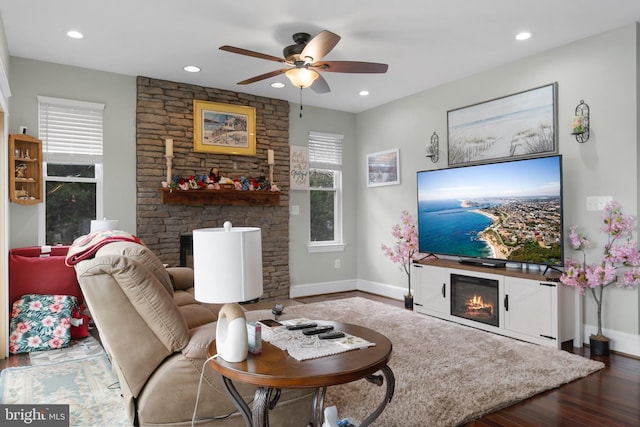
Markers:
(191, 68)
(277, 85)
(523, 36)
(363, 93)
(75, 34)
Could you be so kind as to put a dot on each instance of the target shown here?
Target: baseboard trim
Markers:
(311, 289)
(389, 291)
(621, 342)
(381, 289)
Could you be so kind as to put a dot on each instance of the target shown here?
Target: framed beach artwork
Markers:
(383, 168)
(518, 125)
(224, 128)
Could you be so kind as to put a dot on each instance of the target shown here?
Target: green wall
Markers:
(602, 70)
(28, 80)
(312, 268)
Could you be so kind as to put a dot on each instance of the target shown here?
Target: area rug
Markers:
(78, 349)
(87, 385)
(446, 374)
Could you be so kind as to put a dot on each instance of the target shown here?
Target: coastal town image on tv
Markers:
(508, 211)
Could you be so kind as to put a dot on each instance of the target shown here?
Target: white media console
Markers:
(530, 306)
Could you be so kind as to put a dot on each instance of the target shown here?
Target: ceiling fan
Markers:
(304, 60)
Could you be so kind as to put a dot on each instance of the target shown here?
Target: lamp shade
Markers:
(103, 224)
(227, 264)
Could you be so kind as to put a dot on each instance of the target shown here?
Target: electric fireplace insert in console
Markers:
(475, 298)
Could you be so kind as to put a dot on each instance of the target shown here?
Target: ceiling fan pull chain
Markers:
(300, 102)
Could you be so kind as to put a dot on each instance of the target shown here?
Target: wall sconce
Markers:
(433, 149)
(580, 125)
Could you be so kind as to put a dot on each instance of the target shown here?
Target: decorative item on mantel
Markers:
(271, 161)
(168, 154)
(619, 264)
(405, 249)
(580, 125)
(217, 189)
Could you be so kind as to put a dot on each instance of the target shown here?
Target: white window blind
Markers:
(325, 150)
(71, 131)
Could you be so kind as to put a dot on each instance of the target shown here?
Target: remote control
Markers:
(331, 335)
(301, 326)
(317, 330)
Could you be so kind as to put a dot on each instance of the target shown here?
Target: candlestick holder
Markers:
(169, 164)
(270, 174)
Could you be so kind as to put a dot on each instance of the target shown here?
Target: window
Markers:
(325, 191)
(71, 133)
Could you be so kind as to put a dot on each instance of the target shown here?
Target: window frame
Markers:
(337, 244)
(69, 159)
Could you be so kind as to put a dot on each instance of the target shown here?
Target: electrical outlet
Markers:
(295, 210)
(597, 203)
(336, 263)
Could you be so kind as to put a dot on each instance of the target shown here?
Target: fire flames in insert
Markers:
(475, 298)
(476, 307)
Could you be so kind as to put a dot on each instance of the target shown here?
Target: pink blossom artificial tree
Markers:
(619, 262)
(405, 248)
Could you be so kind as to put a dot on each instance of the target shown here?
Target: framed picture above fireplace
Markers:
(224, 128)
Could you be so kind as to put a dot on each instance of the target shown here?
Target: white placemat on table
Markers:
(304, 347)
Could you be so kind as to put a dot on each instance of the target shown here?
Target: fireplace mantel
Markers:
(219, 197)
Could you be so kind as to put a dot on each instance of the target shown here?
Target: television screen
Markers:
(510, 211)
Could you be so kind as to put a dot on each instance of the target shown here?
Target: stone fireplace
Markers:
(475, 298)
(165, 110)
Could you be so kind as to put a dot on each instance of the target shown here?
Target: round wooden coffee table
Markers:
(274, 369)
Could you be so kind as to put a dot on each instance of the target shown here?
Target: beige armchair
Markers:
(157, 336)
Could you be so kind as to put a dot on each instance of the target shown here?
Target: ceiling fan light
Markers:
(74, 34)
(301, 77)
(525, 35)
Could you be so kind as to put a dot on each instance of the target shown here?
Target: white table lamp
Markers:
(227, 268)
(103, 224)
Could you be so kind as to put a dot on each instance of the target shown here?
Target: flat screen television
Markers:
(493, 213)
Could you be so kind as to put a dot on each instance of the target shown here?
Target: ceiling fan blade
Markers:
(351, 67)
(320, 45)
(263, 76)
(320, 85)
(251, 53)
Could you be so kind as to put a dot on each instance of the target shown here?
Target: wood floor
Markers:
(610, 397)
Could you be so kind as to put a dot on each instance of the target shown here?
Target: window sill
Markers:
(325, 247)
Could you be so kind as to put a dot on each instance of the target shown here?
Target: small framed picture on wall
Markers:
(383, 168)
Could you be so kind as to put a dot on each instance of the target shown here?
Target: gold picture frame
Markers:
(224, 128)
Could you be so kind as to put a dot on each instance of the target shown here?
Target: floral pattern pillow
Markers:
(41, 322)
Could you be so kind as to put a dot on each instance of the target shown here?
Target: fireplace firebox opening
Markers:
(475, 298)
